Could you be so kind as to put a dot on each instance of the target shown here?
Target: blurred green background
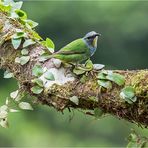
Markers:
(123, 45)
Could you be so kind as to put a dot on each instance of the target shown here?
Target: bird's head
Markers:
(91, 38)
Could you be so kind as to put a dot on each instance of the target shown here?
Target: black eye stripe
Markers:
(91, 37)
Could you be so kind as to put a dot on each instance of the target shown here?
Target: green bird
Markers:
(79, 49)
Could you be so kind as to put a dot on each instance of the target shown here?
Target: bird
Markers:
(78, 50)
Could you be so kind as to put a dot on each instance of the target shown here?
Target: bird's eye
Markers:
(89, 37)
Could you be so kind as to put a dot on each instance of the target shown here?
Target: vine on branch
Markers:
(21, 41)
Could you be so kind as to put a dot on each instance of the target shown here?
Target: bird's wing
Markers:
(76, 47)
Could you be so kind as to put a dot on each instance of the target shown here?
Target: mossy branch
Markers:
(59, 93)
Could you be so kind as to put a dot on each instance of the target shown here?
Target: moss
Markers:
(140, 83)
(1, 27)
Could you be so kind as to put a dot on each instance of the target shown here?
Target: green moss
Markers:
(1, 27)
(140, 83)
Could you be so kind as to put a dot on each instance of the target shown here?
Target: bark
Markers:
(58, 94)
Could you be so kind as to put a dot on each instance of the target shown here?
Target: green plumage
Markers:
(74, 52)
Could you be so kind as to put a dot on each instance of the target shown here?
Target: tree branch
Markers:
(58, 93)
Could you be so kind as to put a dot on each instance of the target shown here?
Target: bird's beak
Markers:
(95, 41)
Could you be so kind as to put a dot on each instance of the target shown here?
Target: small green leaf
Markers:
(22, 14)
(74, 99)
(78, 71)
(49, 76)
(8, 74)
(83, 79)
(43, 43)
(14, 15)
(19, 96)
(101, 76)
(117, 78)
(38, 82)
(24, 51)
(50, 45)
(3, 108)
(28, 43)
(114, 77)
(106, 72)
(16, 5)
(13, 5)
(98, 66)
(3, 114)
(98, 113)
(105, 84)
(24, 60)
(36, 89)
(19, 34)
(128, 94)
(129, 91)
(16, 42)
(134, 99)
(37, 70)
(125, 98)
(36, 35)
(89, 64)
(7, 2)
(14, 94)
(5, 8)
(31, 24)
(25, 106)
(17, 60)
